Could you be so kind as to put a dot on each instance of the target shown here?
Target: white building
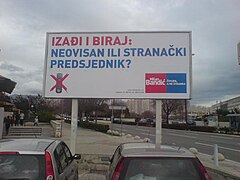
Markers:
(229, 105)
(198, 109)
(140, 105)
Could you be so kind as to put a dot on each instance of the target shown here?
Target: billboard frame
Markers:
(115, 32)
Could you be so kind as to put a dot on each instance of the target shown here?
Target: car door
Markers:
(71, 171)
(64, 163)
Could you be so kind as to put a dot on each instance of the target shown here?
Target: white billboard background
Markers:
(128, 82)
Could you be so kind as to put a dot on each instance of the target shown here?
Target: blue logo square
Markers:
(176, 83)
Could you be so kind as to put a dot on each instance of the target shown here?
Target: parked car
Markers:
(146, 122)
(37, 159)
(191, 122)
(143, 161)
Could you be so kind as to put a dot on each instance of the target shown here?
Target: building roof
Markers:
(6, 85)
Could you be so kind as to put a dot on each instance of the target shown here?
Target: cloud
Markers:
(214, 25)
(10, 67)
(32, 87)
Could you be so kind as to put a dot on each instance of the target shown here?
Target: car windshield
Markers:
(17, 166)
(161, 168)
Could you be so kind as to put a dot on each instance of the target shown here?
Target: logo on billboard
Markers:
(59, 82)
(155, 83)
(165, 83)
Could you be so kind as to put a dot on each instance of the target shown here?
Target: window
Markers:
(30, 167)
(161, 168)
(59, 152)
(115, 159)
(67, 153)
(57, 160)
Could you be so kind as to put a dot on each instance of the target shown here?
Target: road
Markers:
(228, 145)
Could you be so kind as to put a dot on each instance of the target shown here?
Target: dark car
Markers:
(37, 159)
(191, 122)
(146, 122)
(137, 161)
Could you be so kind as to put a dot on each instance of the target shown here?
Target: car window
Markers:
(61, 157)
(115, 159)
(161, 168)
(30, 167)
(67, 152)
(58, 163)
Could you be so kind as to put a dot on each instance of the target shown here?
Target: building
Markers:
(229, 105)
(138, 106)
(6, 85)
(199, 110)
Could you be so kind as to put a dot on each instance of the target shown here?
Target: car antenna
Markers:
(179, 148)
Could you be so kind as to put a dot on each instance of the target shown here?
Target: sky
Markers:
(215, 27)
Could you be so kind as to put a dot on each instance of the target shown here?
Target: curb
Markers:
(212, 133)
(224, 175)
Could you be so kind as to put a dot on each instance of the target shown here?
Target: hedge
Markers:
(97, 127)
(124, 122)
(229, 130)
(175, 126)
(202, 128)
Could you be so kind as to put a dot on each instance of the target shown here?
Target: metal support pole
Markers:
(158, 123)
(121, 119)
(112, 116)
(215, 155)
(74, 125)
(1, 121)
(186, 113)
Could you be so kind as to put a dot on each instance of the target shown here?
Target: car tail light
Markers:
(9, 152)
(118, 170)
(203, 170)
(49, 167)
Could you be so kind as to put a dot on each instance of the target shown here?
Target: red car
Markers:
(138, 161)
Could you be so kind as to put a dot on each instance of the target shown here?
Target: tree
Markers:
(35, 105)
(22, 103)
(147, 114)
(222, 112)
(168, 106)
(87, 106)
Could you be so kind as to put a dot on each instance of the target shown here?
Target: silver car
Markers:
(139, 161)
(37, 159)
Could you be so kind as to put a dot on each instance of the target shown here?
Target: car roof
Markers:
(149, 150)
(25, 146)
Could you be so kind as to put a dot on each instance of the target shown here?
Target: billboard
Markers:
(153, 65)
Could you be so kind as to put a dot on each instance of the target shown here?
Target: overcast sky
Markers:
(215, 26)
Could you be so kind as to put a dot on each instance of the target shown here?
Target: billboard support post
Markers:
(121, 119)
(112, 117)
(1, 121)
(74, 120)
(158, 123)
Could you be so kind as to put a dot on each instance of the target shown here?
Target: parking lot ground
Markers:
(92, 145)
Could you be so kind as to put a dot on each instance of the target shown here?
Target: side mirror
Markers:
(77, 156)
